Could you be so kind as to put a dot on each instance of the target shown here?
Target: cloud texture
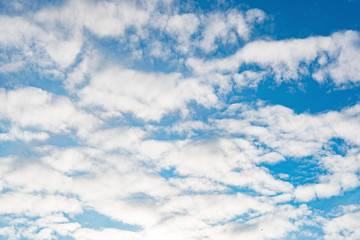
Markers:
(132, 120)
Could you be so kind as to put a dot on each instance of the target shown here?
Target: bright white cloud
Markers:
(149, 96)
(35, 108)
(335, 57)
(37, 205)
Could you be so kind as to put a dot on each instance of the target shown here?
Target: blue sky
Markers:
(167, 119)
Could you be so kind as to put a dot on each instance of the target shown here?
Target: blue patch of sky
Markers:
(199, 112)
(27, 150)
(29, 77)
(5, 190)
(22, 150)
(169, 173)
(311, 97)
(301, 171)
(95, 220)
(63, 140)
(61, 237)
(15, 8)
(9, 148)
(3, 222)
(77, 174)
(308, 233)
(241, 219)
(338, 146)
(327, 205)
(295, 19)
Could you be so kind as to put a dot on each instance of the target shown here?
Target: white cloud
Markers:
(336, 57)
(149, 96)
(67, 160)
(117, 138)
(215, 209)
(345, 226)
(293, 134)
(274, 225)
(227, 27)
(36, 204)
(105, 19)
(249, 79)
(226, 161)
(33, 107)
(107, 233)
(34, 177)
(26, 136)
(36, 43)
(182, 27)
(193, 184)
(12, 66)
(301, 135)
(18, 30)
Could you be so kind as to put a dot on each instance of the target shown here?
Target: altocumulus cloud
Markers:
(170, 119)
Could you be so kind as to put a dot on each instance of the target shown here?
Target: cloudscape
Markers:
(179, 119)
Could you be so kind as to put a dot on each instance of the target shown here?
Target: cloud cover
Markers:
(132, 111)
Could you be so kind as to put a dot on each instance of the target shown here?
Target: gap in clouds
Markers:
(312, 97)
(94, 220)
(297, 171)
(300, 19)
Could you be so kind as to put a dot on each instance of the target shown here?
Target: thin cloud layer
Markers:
(150, 120)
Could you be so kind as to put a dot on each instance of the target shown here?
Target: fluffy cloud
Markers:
(31, 107)
(345, 226)
(37, 205)
(149, 96)
(302, 135)
(37, 44)
(334, 57)
(292, 134)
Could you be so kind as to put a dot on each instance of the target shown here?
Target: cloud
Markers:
(335, 58)
(26, 136)
(107, 233)
(345, 226)
(148, 96)
(301, 135)
(227, 27)
(31, 107)
(36, 43)
(37, 205)
(49, 226)
(183, 27)
(226, 161)
(292, 134)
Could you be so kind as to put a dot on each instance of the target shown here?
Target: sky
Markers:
(182, 120)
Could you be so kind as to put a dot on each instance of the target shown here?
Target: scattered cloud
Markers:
(148, 114)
